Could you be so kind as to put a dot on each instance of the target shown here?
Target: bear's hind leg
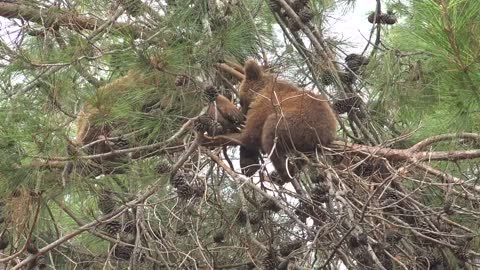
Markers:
(275, 145)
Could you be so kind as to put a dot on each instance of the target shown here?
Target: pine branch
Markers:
(54, 17)
(141, 197)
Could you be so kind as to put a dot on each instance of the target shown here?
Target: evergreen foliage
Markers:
(101, 166)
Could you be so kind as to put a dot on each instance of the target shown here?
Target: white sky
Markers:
(353, 24)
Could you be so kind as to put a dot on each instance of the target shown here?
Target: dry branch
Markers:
(55, 17)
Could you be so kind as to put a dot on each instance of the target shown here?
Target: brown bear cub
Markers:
(281, 119)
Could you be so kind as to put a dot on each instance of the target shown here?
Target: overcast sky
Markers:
(353, 24)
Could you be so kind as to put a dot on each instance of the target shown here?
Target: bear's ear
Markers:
(253, 71)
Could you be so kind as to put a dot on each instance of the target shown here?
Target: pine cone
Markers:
(198, 190)
(346, 105)
(205, 123)
(425, 229)
(274, 6)
(113, 227)
(389, 205)
(318, 178)
(447, 207)
(255, 218)
(119, 143)
(390, 194)
(364, 170)
(371, 17)
(389, 19)
(383, 18)
(270, 261)
(293, 25)
(121, 252)
(353, 242)
(461, 254)
(276, 179)
(305, 15)
(302, 212)
(32, 247)
(289, 247)
(297, 5)
(179, 179)
(347, 77)
(185, 191)
(393, 237)
(41, 262)
(355, 61)
(320, 193)
(385, 260)
(132, 7)
(181, 229)
(364, 258)
(163, 167)
(219, 237)
(210, 93)
(362, 239)
(321, 188)
(181, 80)
(428, 261)
(241, 218)
(318, 216)
(250, 266)
(327, 78)
(106, 201)
(269, 205)
(4, 242)
(319, 198)
(130, 227)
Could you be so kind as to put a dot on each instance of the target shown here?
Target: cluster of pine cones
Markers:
(301, 9)
(354, 63)
(383, 18)
(186, 190)
(347, 105)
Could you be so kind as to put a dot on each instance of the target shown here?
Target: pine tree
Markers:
(108, 159)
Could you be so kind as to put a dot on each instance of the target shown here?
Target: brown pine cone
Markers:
(241, 218)
(305, 15)
(346, 105)
(287, 248)
(219, 237)
(270, 261)
(163, 167)
(181, 80)
(4, 242)
(113, 227)
(293, 25)
(121, 252)
(274, 6)
(269, 205)
(355, 61)
(106, 201)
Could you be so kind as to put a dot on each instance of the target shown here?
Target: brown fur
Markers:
(226, 113)
(249, 160)
(282, 118)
